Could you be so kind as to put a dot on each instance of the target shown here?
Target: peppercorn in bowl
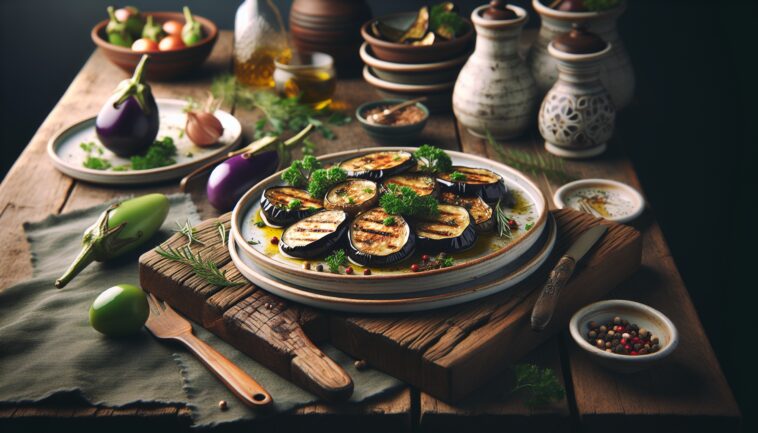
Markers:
(624, 336)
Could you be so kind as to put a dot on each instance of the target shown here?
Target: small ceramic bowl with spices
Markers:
(624, 336)
(397, 129)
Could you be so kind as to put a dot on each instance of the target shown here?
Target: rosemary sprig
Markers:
(541, 383)
(503, 222)
(537, 164)
(190, 232)
(205, 269)
(221, 232)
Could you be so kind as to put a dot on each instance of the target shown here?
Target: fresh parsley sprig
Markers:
(433, 160)
(402, 200)
(323, 179)
(542, 384)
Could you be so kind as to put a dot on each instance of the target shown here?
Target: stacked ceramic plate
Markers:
(409, 71)
(494, 263)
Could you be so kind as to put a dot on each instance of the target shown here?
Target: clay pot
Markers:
(495, 93)
(615, 70)
(332, 27)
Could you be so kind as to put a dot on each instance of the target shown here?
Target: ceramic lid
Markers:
(579, 41)
(498, 10)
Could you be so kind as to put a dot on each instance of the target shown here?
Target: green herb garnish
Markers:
(260, 224)
(96, 163)
(432, 159)
(254, 242)
(542, 384)
(221, 228)
(294, 204)
(446, 262)
(402, 200)
(535, 164)
(528, 226)
(445, 22)
(503, 222)
(160, 154)
(335, 260)
(457, 176)
(323, 179)
(350, 200)
(368, 190)
(389, 221)
(188, 231)
(204, 269)
(300, 170)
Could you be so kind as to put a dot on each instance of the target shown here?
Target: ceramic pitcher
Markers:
(495, 92)
(616, 70)
(577, 116)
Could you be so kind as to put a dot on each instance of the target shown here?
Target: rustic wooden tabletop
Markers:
(688, 393)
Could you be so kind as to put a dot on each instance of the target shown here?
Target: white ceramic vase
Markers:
(577, 116)
(495, 93)
(616, 69)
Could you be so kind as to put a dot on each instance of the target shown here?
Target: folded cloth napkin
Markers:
(47, 347)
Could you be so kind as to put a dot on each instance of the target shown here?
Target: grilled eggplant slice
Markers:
(352, 196)
(372, 243)
(275, 205)
(378, 165)
(481, 212)
(421, 184)
(315, 235)
(478, 182)
(450, 231)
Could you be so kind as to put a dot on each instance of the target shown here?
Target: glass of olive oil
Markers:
(308, 76)
(259, 38)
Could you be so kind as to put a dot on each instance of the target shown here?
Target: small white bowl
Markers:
(632, 204)
(642, 315)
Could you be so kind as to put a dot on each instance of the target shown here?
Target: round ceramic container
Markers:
(356, 302)
(604, 198)
(438, 96)
(391, 135)
(413, 73)
(67, 155)
(645, 317)
(487, 256)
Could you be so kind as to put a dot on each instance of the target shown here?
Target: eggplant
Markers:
(374, 243)
(352, 196)
(128, 122)
(315, 235)
(421, 184)
(478, 182)
(378, 165)
(275, 205)
(481, 212)
(452, 230)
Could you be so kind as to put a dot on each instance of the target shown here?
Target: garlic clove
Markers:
(203, 128)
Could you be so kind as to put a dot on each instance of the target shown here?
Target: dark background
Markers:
(691, 131)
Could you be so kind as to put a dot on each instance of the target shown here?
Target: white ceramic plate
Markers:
(68, 156)
(609, 199)
(387, 303)
(490, 254)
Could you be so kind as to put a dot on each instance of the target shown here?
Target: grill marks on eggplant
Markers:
(275, 205)
(378, 165)
(352, 196)
(479, 182)
(313, 228)
(369, 234)
(422, 185)
(283, 196)
(479, 210)
(450, 231)
(473, 175)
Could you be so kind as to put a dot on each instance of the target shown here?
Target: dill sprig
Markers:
(335, 260)
(503, 222)
(221, 228)
(205, 269)
(537, 164)
(542, 384)
(190, 232)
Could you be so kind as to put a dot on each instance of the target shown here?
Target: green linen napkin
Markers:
(47, 347)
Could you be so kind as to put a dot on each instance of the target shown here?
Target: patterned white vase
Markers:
(616, 69)
(495, 93)
(577, 116)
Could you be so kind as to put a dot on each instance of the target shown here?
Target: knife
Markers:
(559, 276)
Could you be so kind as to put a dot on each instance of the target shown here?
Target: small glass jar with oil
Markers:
(259, 38)
(311, 77)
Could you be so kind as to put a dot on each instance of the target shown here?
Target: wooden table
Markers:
(687, 394)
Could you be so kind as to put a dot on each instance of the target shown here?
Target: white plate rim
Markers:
(639, 205)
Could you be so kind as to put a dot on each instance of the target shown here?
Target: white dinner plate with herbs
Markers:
(77, 152)
(490, 253)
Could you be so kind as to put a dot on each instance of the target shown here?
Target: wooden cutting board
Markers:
(447, 353)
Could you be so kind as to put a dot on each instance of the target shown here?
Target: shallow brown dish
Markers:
(163, 65)
(402, 53)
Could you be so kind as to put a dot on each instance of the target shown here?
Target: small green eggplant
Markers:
(119, 229)
(152, 30)
(133, 19)
(118, 33)
(192, 32)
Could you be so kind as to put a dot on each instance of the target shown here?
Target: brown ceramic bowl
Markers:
(402, 53)
(164, 65)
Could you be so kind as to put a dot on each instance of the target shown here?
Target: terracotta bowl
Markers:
(413, 73)
(438, 96)
(164, 65)
(402, 53)
(646, 317)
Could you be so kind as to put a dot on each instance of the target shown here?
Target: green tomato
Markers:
(120, 310)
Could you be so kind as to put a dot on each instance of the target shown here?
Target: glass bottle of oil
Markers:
(259, 38)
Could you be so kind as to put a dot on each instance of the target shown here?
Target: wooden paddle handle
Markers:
(239, 382)
(316, 372)
(548, 299)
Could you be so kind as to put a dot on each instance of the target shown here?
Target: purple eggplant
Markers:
(128, 123)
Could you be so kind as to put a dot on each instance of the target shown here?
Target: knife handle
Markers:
(548, 299)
